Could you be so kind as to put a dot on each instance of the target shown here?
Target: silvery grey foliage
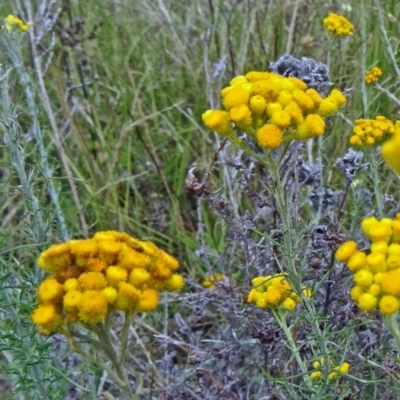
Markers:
(324, 198)
(350, 163)
(309, 174)
(314, 73)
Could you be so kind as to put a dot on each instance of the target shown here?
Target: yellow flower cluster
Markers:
(93, 277)
(373, 75)
(372, 131)
(377, 271)
(338, 25)
(336, 372)
(391, 149)
(271, 108)
(11, 21)
(273, 291)
(211, 281)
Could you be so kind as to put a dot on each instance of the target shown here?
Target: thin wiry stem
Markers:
(49, 111)
(15, 57)
(386, 39)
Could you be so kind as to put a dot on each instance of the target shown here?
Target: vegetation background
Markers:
(127, 82)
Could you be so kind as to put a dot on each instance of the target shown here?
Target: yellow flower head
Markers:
(338, 25)
(93, 307)
(273, 296)
(44, 314)
(50, 291)
(269, 136)
(241, 116)
(115, 275)
(218, 121)
(367, 302)
(84, 283)
(148, 300)
(390, 282)
(357, 261)
(389, 305)
(363, 278)
(236, 95)
(129, 259)
(72, 300)
(82, 250)
(271, 108)
(175, 283)
(55, 257)
(11, 21)
(372, 75)
(127, 296)
(110, 293)
(92, 281)
(289, 304)
(371, 131)
(346, 250)
(356, 292)
(138, 277)
(109, 250)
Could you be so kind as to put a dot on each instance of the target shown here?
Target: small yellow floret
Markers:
(289, 304)
(241, 116)
(269, 136)
(92, 307)
(389, 305)
(357, 261)
(72, 300)
(50, 291)
(110, 293)
(55, 257)
(376, 262)
(71, 284)
(390, 282)
(367, 302)
(115, 275)
(281, 119)
(139, 276)
(356, 292)
(44, 314)
(92, 281)
(327, 107)
(148, 300)
(346, 250)
(273, 296)
(175, 283)
(363, 278)
(218, 121)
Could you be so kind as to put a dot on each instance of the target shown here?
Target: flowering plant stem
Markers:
(393, 328)
(289, 247)
(280, 317)
(377, 189)
(117, 370)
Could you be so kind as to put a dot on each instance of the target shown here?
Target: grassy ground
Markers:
(127, 83)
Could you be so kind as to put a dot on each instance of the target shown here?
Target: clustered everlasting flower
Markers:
(338, 25)
(273, 291)
(271, 109)
(336, 372)
(11, 21)
(91, 278)
(377, 270)
(373, 75)
(372, 131)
